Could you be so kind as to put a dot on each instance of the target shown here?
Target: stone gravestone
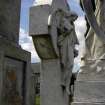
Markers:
(52, 30)
(35, 83)
(14, 62)
(90, 84)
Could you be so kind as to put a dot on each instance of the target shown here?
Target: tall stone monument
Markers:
(90, 84)
(54, 37)
(14, 62)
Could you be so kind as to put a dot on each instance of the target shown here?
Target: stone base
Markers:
(14, 74)
(79, 103)
(89, 93)
(90, 86)
(51, 92)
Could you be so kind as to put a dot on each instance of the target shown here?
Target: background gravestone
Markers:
(35, 84)
(14, 62)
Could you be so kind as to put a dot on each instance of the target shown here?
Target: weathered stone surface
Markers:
(90, 84)
(41, 34)
(39, 20)
(12, 82)
(93, 71)
(88, 103)
(44, 47)
(50, 89)
(10, 19)
(89, 91)
(14, 62)
(14, 70)
(44, 30)
(36, 67)
(89, 88)
(35, 82)
(32, 95)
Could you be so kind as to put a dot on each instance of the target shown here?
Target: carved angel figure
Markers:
(67, 40)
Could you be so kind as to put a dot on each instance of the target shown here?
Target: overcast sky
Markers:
(26, 41)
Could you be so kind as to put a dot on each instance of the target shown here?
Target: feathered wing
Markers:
(88, 8)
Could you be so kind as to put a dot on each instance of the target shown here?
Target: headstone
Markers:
(47, 30)
(35, 83)
(14, 65)
(33, 90)
(14, 62)
(90, 84)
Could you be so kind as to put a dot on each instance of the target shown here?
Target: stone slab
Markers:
(80, 103)
(89, 91)
(50, 89)
(13, 58)
(91, 76)
(90, 84)
(94, 71)
(10, 19)
(39, 20)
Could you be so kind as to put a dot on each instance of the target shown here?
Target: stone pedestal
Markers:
(14, 74)
(89, 93)
(50, 90)
(90, 85)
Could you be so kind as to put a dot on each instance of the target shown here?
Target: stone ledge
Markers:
(88, 103)
(89, 91)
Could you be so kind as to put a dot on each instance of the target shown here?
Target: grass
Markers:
(37, 100)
